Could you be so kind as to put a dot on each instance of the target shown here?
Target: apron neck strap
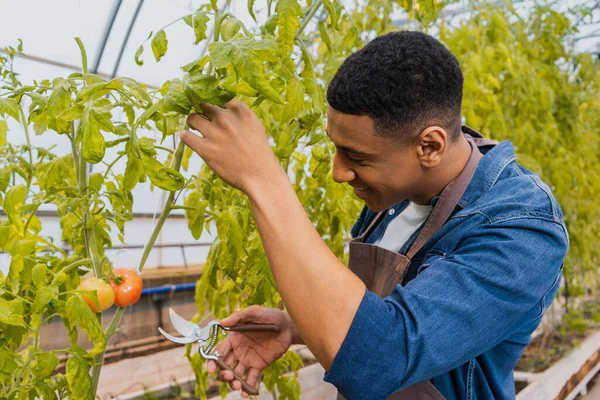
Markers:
(447, 201)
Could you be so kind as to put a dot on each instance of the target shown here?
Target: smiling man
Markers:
(457, 254)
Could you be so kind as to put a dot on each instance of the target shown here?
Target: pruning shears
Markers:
(207, 338)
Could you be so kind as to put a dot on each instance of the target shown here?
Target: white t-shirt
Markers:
(400, 228)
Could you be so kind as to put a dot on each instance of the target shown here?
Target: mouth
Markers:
(361, 192)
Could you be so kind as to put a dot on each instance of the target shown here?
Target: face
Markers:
(382, 171)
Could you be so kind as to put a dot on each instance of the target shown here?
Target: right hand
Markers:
(253, 351)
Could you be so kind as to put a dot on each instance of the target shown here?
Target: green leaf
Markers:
(134, 171)
(159, 45)
(251, 9)
(288, 22)
(205, 89)
(4, 178)
(78, 312)
(72, 113)
(9, 106)
(97, 116)
(138, 54)
(230, 27)
(198, 23)
(38, 274)
(44, 364)
(96, 180)
(247, 58)
(294, 96)
(42, 297)
(13, 201)
(163, 177)
(325, 36)
(79, 378)
(3, 130)
(8, 314)
(195, 217)
(333, 13)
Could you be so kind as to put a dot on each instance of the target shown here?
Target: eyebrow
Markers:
(349, 149)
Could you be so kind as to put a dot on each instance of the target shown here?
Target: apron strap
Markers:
(447, 201)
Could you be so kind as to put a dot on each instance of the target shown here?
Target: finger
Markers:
(211, 366)
(193, 141)
(253, 376)
(199, 123)
(239, 369)
(235, 105)
(227, 375)
(210, 110)
(252, 379)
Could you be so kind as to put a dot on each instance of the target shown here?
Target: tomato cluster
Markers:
(125, 289)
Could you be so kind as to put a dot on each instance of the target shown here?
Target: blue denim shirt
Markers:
(475, 293)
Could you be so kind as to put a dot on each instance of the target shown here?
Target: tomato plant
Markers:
(280, 68)
(105, 296)
(127, 286)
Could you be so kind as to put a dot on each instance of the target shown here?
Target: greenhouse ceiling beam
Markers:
(126, 39)
(64, 65)
(51, 62)
(106, 35)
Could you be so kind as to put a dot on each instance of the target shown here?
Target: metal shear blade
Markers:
(182, 325)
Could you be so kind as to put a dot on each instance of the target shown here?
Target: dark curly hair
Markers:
(406, 81)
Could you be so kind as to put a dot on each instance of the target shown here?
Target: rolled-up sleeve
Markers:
(459, 307)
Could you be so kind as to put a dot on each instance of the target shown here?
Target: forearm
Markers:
(320, 293)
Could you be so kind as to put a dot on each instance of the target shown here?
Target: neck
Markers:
(436, 179)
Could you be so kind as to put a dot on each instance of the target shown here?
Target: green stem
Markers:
(74, 149)
(84, 65)
(77, 263)
(110, 331)
(29, 151)
(109, 167)
(30, 217)
(166, 210)
(313, 10)
(164, 148)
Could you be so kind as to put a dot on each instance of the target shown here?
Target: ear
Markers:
(431, 146)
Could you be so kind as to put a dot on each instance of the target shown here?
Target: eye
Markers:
(355, 160)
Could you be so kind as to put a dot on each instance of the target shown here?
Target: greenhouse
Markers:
(300, 199)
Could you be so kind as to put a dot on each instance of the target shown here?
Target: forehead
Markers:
(356, 132)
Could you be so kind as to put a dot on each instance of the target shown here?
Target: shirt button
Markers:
(392, 211)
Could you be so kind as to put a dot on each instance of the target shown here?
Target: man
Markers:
(477, 241)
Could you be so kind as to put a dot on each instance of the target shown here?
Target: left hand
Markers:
(233, 144)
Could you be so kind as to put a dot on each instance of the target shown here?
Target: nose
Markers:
(341, 172)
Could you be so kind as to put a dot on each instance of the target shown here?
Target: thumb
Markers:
(250, 314)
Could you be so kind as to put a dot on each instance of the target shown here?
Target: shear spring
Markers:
(212, 341)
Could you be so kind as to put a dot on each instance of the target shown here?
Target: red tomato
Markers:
(127, 286)
(106, 296)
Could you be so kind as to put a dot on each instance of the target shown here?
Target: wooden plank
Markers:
(560, 379)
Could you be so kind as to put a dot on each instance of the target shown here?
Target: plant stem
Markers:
(78, 263)
(33, 211)
(26, 129)
(165, 212)
(315, 7)
(109, 166)
(110, 331)
(84, 66)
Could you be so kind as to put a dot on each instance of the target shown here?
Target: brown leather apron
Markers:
(381, 269)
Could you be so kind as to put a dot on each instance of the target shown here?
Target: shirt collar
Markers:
(496, 159)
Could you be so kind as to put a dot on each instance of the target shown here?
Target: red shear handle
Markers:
(255, 328)
(245, 387)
